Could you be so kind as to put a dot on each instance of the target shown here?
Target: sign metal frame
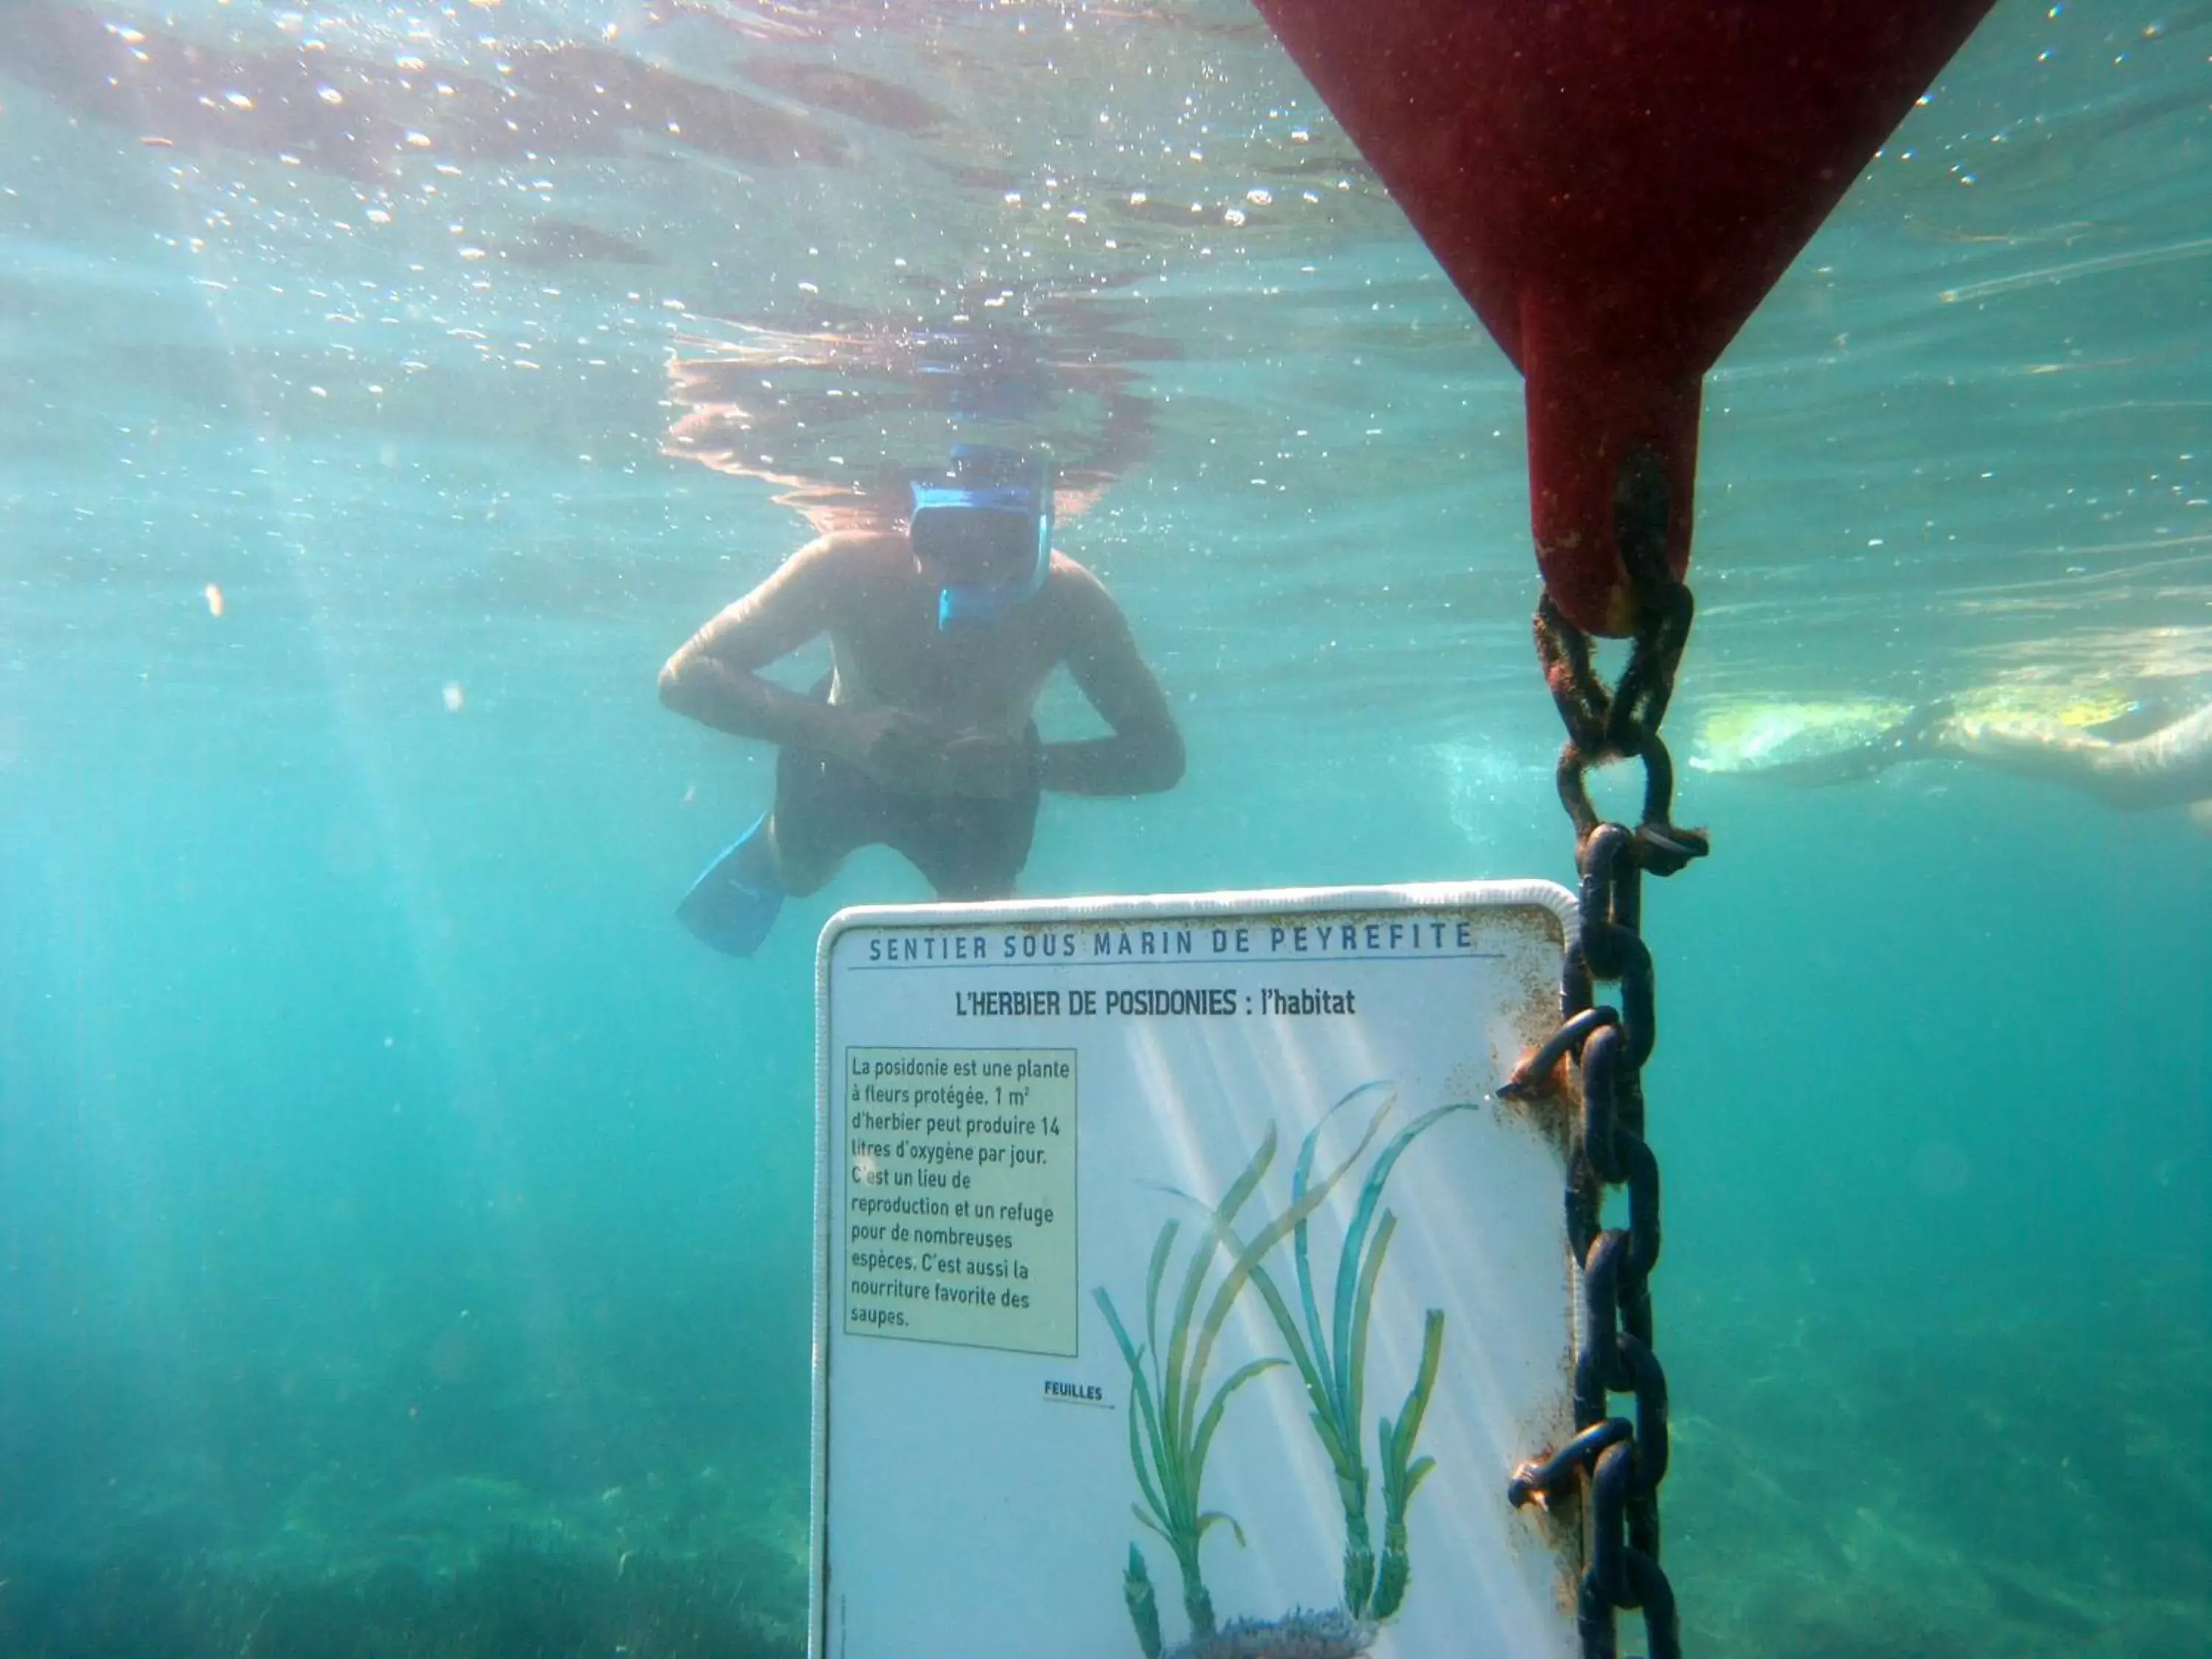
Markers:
(1543, 1556)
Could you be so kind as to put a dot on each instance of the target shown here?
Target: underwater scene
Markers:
(407, 1229)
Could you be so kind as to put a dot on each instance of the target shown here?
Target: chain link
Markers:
(1619, 1463)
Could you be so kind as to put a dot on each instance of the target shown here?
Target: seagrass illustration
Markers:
(1170, 1435)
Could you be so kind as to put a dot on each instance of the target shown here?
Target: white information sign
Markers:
(1186, 1290)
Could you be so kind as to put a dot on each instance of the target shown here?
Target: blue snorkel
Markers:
(986, 517)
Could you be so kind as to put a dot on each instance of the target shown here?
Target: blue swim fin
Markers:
(732, 906)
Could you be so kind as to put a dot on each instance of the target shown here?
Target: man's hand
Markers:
(897, 749)
(918, 756)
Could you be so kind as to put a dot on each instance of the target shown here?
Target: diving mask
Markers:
(982, 529)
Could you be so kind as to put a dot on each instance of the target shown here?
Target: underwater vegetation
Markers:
(1826, 1494)
(520, 1602)
(1171, 1432)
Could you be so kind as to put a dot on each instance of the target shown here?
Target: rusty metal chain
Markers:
(1618, 1464)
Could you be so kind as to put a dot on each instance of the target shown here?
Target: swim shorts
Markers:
(968, 847)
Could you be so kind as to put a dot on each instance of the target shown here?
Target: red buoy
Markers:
(1615, 184)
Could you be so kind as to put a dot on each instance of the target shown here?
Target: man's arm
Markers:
(1145, 754)
(715, 678)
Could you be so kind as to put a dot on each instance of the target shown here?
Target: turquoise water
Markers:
(404, 1231)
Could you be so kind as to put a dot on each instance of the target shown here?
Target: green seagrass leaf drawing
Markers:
(1173, 1418)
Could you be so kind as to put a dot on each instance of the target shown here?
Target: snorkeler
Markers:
(942, 637)
(2171, 766)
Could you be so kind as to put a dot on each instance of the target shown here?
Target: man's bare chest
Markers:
(988, 672)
